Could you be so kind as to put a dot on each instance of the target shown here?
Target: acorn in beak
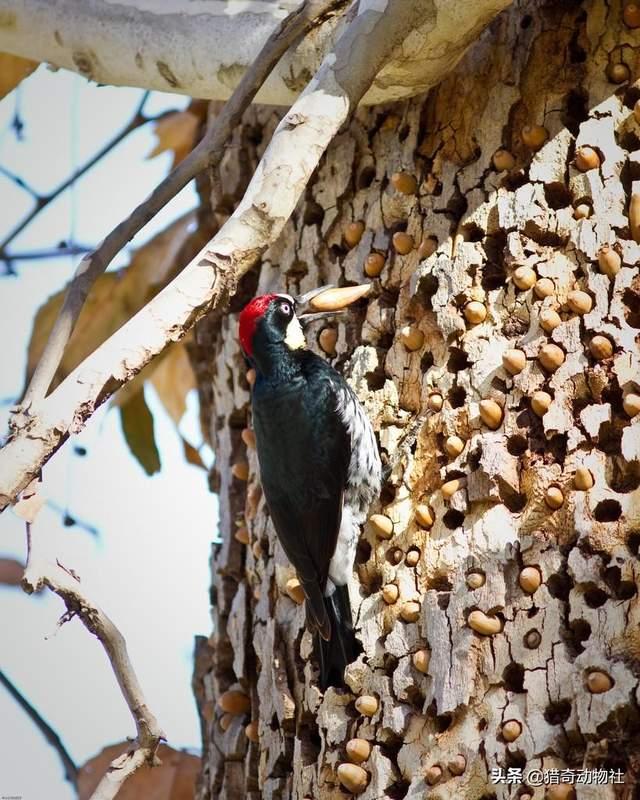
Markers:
(328, 301)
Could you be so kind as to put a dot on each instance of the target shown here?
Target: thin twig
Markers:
(43, 571)
(42, 201)
(208, 153)
(52, 252)
(70, 769)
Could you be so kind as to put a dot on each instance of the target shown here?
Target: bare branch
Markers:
(208, 152)
(375, 30)
(43, 571)
(70, 769)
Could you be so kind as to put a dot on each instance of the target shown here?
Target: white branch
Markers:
(374, 31)
(203, 47)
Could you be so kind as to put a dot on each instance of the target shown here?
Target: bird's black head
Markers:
(269, 322)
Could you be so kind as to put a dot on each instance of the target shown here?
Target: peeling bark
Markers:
(438, 734)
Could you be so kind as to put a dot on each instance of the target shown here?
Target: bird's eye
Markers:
(285, 308)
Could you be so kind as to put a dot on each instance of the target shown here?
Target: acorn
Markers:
(367, 705)
(453, 446)
(412, 338)
(583, 479)
(249, 438)
(609, 261)
(631, 404)
(435, 402)
(421, 659)
(374, 264)
(412, 557)
(475, 580)
(338, 298)
(544, 287)
(390, 593)
(540, 402)
(404, 182)
(598, 682)
(491, 414)
(634, 216)
(551, 357)
(558, 791)
(353, 233)
(433, 774)
(511, 729)
(457, 765)
(424, 516)
(410, 611)
(549, 320)
(353, 778)
(294, 590)
(396, 555)
(251, 376)
(256, 549)
(358, 750)
(554, 498)
(532, 639)
(534, 136)
(618, 73)
(225, 721)
(631, 15)
(240, 471)
(251, 731)
(451, 487)
(514, 361)
(381, 525)
(582, 211)
(242, 535)
(524, 278)
(636, 110)
(587, 158)
(600, 347)
(403, 243)
(579, 302)
(234, 702)
(481, 623)
(475, 312)
(427, 247)
(327, 340)
(529, 579)
(503, 160)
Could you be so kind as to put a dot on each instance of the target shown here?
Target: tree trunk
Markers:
(543, 676)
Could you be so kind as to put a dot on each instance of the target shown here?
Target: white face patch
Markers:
(294, 338)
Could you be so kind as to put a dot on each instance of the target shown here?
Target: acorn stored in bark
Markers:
(481, 623)
(530, 579)
(381, 525)
(491, 414)
(353, 778)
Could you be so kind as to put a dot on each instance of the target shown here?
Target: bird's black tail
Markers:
(343, 647)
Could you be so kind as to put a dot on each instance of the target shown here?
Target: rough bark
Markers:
(203, 48)
(438, 735)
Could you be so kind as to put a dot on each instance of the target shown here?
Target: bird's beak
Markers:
(328, 301)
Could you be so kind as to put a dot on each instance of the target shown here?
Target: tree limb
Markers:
(70, 769)
(208, 152)
(41, 572)
(375, 30)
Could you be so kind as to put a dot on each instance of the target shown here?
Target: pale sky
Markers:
(149, 565)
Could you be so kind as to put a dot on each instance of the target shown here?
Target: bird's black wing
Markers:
(304, 451)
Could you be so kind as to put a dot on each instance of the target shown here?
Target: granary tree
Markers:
(477, 163)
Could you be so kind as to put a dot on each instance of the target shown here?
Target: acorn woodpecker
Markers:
(319, 466)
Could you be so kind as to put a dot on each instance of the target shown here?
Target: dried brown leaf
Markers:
(192, 456)
(173, 379)
(137, 427)
(176, 132)
(11, 572)
(13, 70)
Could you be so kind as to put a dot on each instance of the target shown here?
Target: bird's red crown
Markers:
(249, 318)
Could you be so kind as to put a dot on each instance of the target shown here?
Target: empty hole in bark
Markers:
(336, 252)
(363, 552)
(493, 276)
(631, 300)
(515, 759)
(557, 195)
(376, 378)
(426, 362)
(517, 444)
(557, 447)
(558, 713)
(457, 397)
(610, 438)
(427, 287)
(387, 495)
(622, 476)
(514, 501)
(444, 598)
(623, 590)
(542, 236)
(513, 677)
(532, 612)
(633, 542)
(471, 232)
(440, 583)
(595, 597)
(628, 140)
(403, 133)
(499, 385)
(627, 590)
(576, 109)
(313, 213)
(526, 21)
(366, 176)
(457, 360)
(482, 725)
(473, 459)
(390, 663)
(457, 205)
(607, 511)
(453, 519)
(443, 722)
(580, 632)
(559, 585)
(310, 742)
(397, 790)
